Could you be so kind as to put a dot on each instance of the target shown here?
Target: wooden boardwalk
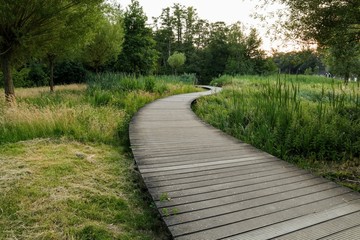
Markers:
(208, 185)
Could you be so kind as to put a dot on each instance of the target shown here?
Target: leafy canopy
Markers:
(177, 60)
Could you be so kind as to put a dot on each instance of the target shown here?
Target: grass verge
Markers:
(313, 122)
(65, 168)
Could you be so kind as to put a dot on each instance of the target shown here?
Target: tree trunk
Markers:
(51, 80)
(346, 78)
(8, 81)
(51, 59)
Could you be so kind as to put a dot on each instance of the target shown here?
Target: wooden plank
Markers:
(251, 183)
(176, 172)
(176, 178)
(208, 185)
(241, 202)
(245, 178)
(351, 233)
(207, 196)
(264, 214)
(147, 169)
(236, 196)
(316, 228)
(214, 175)
(233, 228)
(334, 215)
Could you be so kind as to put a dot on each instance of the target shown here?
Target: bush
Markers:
(70, 72)
(21, 78)
(38, 76)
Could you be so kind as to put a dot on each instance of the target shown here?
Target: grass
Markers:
(62, 189)
(313, 122)
(65, 168)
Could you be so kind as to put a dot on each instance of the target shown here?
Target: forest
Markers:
(42, 46)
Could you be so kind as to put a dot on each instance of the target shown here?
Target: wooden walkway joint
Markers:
(208, 185)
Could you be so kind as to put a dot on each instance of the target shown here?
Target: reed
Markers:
(291, 117)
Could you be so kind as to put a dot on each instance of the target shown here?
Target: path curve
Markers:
(208, 185)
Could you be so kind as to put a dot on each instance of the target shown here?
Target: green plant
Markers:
(164, 197)
(292, 117)
(165, 212)
(68, 151)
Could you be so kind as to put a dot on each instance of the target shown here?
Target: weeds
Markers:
(293, 118)
(64, 169)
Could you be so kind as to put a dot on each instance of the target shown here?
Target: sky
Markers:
(229, 11)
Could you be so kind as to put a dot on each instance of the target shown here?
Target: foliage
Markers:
(327, 22)
(34, 74)
(176, 60)
(67, 72)
(297, 118)
(333, 25)
(299, 62)
(107, 43)
(139, 55)
(343, 59)
(211, 49)
(25, 25)
(72, 34)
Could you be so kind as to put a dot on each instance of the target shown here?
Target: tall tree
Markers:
(216, 52)
(179, 16)
(332, 24)
(108, 38)
(164, 37)
(343, 59)
(139, 55)
(75, 32)
(191, 19)
(238, 61)
(26, 25)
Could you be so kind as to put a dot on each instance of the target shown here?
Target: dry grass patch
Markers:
(61, 189)
(36, 91)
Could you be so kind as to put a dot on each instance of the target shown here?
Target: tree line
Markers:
(51, 41)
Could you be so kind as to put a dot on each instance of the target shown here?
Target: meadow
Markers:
(66, 171)
(313, 122)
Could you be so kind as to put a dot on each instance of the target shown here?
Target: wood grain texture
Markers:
(208, 185)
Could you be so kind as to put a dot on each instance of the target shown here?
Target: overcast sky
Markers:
(229, 11)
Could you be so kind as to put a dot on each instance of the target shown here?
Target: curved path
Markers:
(208, 185)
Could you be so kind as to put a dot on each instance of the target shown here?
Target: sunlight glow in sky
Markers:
(229, 11)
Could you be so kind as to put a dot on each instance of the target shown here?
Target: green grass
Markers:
(302, 119)
(65, 168)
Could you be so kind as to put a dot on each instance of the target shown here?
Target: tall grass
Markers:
(291, 117)
(99, 112)
(64, 169)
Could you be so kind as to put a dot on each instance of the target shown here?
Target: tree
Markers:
(299, 62)
(139, 55)
(332, 24)
(108, 39)
(176, 60)
(343, 59)
(211, 49)
(75, 32)
(26, 25)
(216, 52)
(164, 37)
